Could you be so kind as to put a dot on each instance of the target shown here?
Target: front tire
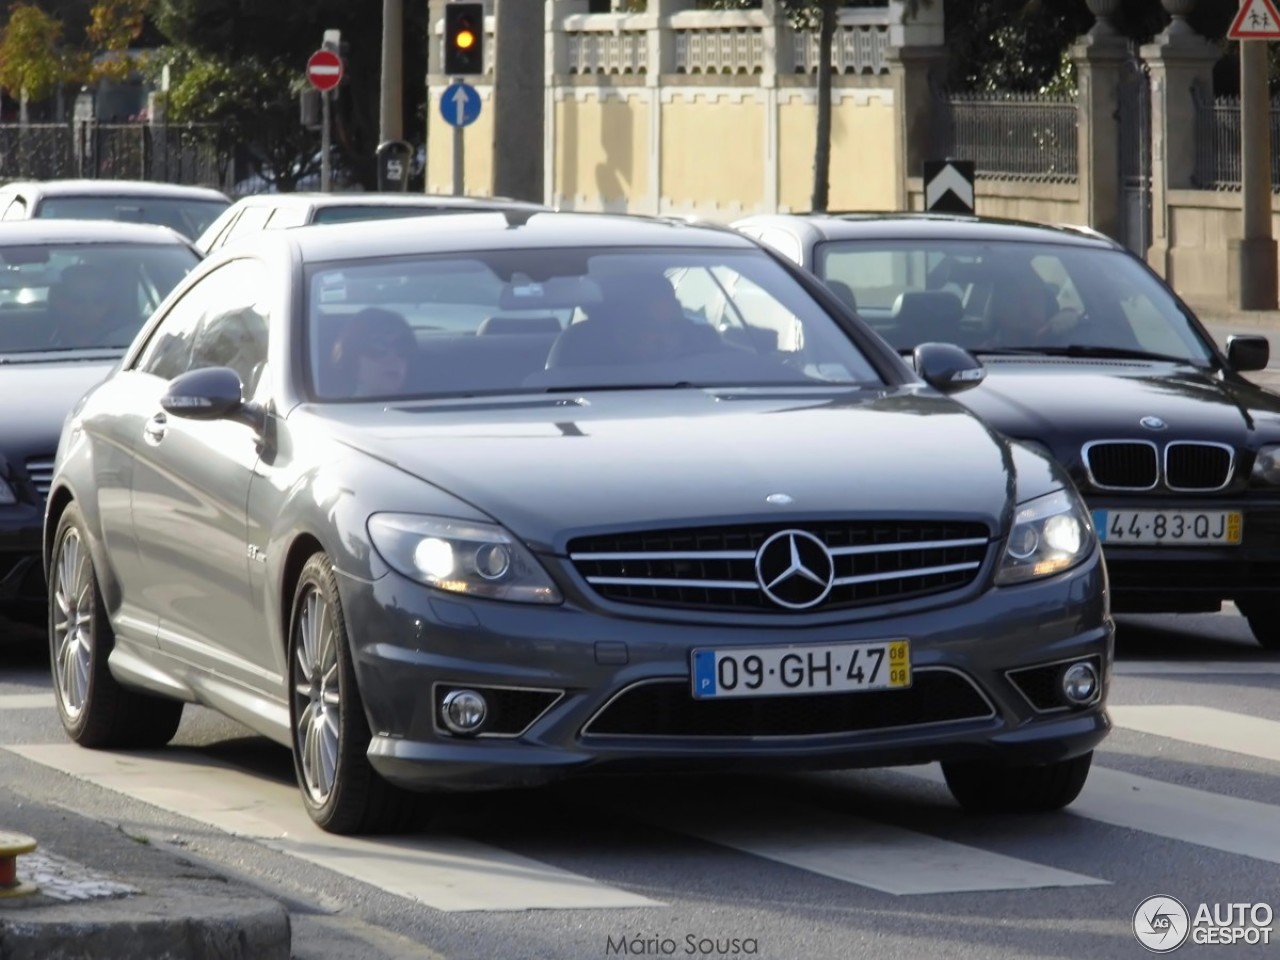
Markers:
(95, 709)
(342, 792)
(1002, 788)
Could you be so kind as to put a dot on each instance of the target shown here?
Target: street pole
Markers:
(519, 99)
(325, 142)
(459, 150)
(391, 112)
(1258, 248)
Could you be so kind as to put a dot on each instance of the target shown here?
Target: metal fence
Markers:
(1218, 143)
(184, 154)
(1010, 136)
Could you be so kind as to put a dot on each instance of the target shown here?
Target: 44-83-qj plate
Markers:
(778, 671)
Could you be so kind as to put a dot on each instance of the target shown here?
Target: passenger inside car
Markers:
(638, 320)
(1023, 312)
(91, 306)
(373, 355)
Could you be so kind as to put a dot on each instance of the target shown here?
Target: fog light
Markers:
(464, 711)
(1080, 682)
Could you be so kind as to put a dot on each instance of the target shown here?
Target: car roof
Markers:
(505, 230)
(436, 201)
(116, 188)
(86, 231)
(937, 226)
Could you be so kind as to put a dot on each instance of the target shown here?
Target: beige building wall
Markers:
(601, 148)
(1201, 225)
(713, 151)
(864, 166)
(477, 144)
(1017, 200)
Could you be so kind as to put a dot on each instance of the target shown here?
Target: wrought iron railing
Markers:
(1218, 143)
(1010, 136)
(186, 154)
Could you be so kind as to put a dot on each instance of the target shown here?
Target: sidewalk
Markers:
(108, 896)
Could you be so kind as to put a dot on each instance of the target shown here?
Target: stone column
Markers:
(1099, 57)
(1179, 60)
(1252, 283)
(917, 74)
(662, 65)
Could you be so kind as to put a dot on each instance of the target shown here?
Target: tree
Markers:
(264, 46)
(31, 56)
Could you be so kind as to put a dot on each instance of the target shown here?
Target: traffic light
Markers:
(463, 39)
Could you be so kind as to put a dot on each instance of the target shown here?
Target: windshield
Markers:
(376, 212)
(85, 296)
(564, 319)
(1010, 296)
(189, 217)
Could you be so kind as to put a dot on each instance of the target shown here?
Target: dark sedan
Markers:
(1093, 357)
(482, 504)
(72, 297)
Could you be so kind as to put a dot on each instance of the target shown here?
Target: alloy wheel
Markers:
(317, 696)
(73, 599)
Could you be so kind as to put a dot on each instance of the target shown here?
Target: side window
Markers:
(285, 217)
(698, 293)
(16, 209)
(234, 331)
(251, 220)
(785, 244)
(218, 323)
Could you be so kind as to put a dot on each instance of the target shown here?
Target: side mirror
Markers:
(212, 393)
(948, 368)
(1248, 352)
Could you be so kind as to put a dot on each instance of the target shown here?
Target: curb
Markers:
(178, 926)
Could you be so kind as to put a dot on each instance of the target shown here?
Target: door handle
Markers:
(153, 430)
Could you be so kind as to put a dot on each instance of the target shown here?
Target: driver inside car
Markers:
(1025, 313)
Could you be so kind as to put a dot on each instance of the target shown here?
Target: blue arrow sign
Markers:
(460, 105)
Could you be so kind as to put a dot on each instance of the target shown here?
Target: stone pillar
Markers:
(779, 61)
(1179, 60)
(519, 101)
(1252, 283)
(917, 74)
(1099, 57)
(662, 64)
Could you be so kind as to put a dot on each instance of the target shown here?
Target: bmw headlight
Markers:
(478, 559)
(1050, 534)
(1266, 467)
(6, 494)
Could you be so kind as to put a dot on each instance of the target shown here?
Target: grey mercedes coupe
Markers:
(489, 501)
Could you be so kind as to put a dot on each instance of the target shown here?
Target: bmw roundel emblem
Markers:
(1153, 423)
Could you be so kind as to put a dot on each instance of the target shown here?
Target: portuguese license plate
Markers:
(1214, 528)
(779, 671)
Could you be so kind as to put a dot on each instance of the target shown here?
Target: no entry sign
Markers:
(324, 69)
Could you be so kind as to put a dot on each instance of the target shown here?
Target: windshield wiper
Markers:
(1119, 353)
(599, 387)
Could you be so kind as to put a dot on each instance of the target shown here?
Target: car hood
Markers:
(40, 394)
(552, 467)
(1065, 401)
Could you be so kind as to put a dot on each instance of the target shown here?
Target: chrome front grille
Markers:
(1183, 466)
(714, 568)
(40, 470)
(1127, 465)
(1198, 466)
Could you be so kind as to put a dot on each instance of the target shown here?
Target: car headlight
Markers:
(1266, 467)
(1050, 534)
(478, 559)
(6, 494)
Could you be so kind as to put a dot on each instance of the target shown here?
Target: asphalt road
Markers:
(827, 866)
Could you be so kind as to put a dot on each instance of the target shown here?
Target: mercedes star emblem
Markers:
(795, 569)
(1153, 423)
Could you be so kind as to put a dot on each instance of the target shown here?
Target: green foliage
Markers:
(31, 55)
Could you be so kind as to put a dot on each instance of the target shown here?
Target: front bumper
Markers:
(561, 679)
(1194, 579)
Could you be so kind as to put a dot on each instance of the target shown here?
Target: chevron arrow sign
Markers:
(948, 186)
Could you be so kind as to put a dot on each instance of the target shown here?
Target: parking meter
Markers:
(393, 166)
